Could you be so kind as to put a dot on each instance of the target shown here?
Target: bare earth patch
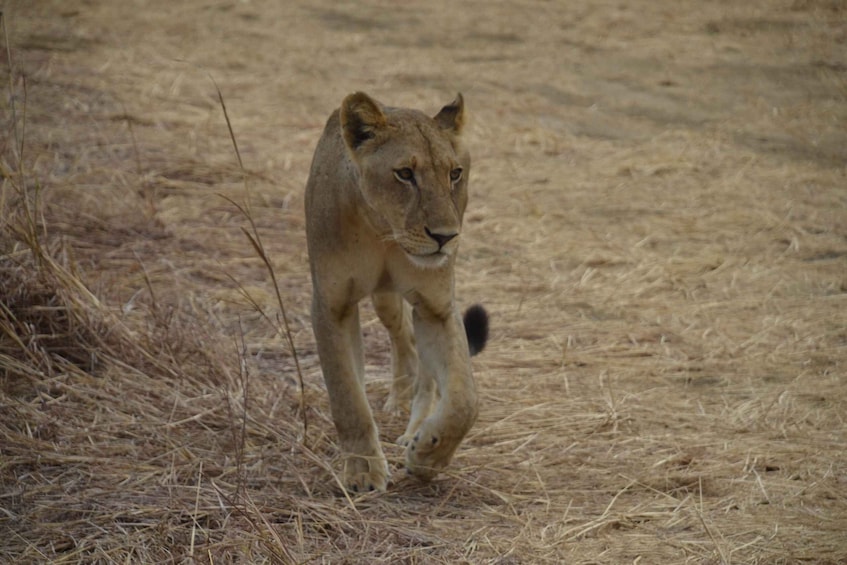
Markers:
(658, 226)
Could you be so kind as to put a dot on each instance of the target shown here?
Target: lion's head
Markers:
(412, 172)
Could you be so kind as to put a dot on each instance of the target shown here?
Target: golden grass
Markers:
(658, 227)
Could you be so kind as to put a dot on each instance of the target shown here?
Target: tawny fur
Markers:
(384, 205)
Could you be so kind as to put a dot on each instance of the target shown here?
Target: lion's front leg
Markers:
(444, 355)
(340, 351)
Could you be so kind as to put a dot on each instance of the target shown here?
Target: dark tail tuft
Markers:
(476, 328)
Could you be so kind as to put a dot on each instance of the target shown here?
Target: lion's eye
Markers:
(456, 174)
(405, 174)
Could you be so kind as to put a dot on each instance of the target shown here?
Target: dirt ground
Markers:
(657, 225)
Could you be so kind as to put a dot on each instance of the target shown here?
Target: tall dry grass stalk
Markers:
(256, 242)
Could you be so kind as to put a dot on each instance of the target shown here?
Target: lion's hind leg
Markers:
(396, 315)
(422, 405)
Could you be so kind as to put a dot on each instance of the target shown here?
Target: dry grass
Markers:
(658, 227)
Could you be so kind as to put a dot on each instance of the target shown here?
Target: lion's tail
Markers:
(476, 328)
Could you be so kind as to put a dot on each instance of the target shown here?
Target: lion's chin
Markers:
(429, 261)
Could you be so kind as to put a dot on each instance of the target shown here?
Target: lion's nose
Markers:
(440, 238)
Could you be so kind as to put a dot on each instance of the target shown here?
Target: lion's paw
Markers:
(429, 444)
(396, 404)
(432, 447)
(423, 456)
(407, 439)
(365, 475)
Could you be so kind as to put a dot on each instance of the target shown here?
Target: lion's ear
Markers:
(361, 117)
(452, 116)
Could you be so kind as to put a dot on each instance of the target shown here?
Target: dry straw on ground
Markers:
(658, 226)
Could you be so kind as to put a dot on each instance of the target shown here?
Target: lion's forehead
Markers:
(418, 138)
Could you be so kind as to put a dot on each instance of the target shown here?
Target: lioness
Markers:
(384, 204)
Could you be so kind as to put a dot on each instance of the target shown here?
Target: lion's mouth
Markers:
(428, 260)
